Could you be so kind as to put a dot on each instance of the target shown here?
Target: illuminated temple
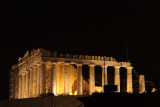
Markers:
(41, 72)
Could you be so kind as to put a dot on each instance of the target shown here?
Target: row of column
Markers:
(105, 80)
(129, 79)
(117, 78)
(32, 83)
(92, 79)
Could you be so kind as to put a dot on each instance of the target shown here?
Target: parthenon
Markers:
(41, 72)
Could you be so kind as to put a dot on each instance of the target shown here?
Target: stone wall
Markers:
(49, 101)
(13, 81)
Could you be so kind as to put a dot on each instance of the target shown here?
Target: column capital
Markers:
(34, 66)
(117, 67)
(23, 74)
(66, 63)
(27, 71)
(104, 66)
(79, 64)
(129, 67)
(92, 65)
(30, 69)
(55, 62)
(141, 75)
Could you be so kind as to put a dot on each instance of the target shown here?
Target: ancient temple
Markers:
(41, 72)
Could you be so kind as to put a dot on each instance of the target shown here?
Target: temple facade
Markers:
(41, 72)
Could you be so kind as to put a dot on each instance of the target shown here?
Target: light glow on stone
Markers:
(75, 93)
(70, 94)
(98, 89)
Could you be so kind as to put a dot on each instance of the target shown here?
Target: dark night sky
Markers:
(96, 28)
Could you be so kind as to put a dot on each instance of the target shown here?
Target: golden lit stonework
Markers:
(41, 72)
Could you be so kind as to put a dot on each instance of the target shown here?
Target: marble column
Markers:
(91, 79)
(43, 79)
(31, 82)
(25, 96)
(54, 78)
(34, 81)
(129, 80)
(104, 77)
(141, 84)
(38, 80)
(66, 79)
(79, 78)
(27, 84)
(23, 85)
(20, 87)
(117, 77)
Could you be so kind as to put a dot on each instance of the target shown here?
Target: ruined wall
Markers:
(72, 78)
(85, 86)
(13, 82)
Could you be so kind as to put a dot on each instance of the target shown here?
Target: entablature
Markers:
(87, 62)
(40, 56)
